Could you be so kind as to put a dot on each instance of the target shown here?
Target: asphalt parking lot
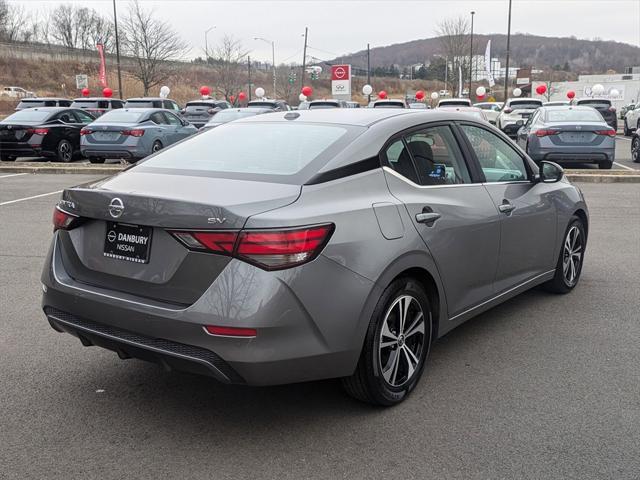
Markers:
(543, 387)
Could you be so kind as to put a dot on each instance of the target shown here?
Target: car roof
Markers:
(95, 99)
(460, 108)
(524, 99)
(455, 99)
(597, 99)
(51, 109)
(38, 99)
(142, 99)
(205, 100)
(566, 107)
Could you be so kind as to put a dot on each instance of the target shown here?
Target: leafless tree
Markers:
(79, 27)
(229, 64)
(287, 91)
(153, 44)
(14, 23)
(454, 38)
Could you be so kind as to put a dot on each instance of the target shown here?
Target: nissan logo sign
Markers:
(116, 207)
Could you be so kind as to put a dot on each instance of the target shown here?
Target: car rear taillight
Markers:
(63, 220)
(86, 131)
(546, 132)
(138, 132)
(38, 131)
(610, 133)
(267, 249)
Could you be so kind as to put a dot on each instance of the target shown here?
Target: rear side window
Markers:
(116, 104)
(498, 160)
(258, 149)
(437, 157)
(158, 118)
(397, 157)
(82, 116)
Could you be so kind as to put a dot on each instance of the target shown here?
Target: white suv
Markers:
(16, 92)
(632, 121)
(515, 113)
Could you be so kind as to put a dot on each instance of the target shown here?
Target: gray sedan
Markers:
(568, 134)
(305, 245)
(132, 134)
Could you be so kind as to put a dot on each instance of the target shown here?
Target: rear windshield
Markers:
(120, 116)
(255, 151)
(570, 115)
(36, 103)
(596, 103)
(454, 103)
(525, 105)
(487, 106)
(28, 115)
(389, 105)
(264, 104)
(318, 105)
(230, 115)
(91, 104)
(143, 104)
(192, 105)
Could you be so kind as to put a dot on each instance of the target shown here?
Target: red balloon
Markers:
(242, 96)
(541, 89)
(571, 94)
(86, 92)
(232, 99)
(205, 91)
(307, 91)
(419, 95)
(480, 97)
(382, 94)
(107, 92)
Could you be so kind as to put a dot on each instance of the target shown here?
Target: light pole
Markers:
(304, 56)
(206, 44)
(506, 73)
(273, 61)
(115, 24)
(471, 55)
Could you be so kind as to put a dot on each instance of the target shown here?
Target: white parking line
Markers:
(29, 198)
(624, 166)
(12, 175)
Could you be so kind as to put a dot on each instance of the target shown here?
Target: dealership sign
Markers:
(341, 80)
(611, 92)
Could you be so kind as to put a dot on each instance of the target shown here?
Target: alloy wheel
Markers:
(401, 340)
(65, 152)
(635, 149)
(156, 147)
(572, 256)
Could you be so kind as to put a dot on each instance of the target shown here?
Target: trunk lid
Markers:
(578, 134)
(16, 132)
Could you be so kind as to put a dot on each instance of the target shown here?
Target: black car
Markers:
(43, 102)
(277, 105)
(604, 106)
(199, 112)
(153, 102)
(97, 106)
(43, 132)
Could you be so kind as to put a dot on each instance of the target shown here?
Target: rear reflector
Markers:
(610, 133)
(231, 331)
(138, 132)
(267, 249)
(63, 220)
(546, 132)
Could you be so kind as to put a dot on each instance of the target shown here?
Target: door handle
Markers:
(506, 207)
(427, 217)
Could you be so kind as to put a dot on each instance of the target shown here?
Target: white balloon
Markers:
(481, 91)
(614, 93)
(367, 89)
(434, 95)
(517, 92)
(164, 91)
(598, 89)
(302, 97)
(259, 92)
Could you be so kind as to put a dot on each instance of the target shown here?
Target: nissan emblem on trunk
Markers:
(116, 207)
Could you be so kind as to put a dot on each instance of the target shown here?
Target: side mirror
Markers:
(550, 172)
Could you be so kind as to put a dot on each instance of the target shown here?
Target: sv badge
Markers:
(214, 220)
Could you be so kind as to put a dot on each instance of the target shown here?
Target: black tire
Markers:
(605, 165)
(156, 147)
(7, 158)
(64, 151)
(96, 160)
(635, 148)
(369, 383)
(625, 129)
(560, 283)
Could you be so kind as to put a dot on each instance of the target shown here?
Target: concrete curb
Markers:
(604, 178)
(61, 168)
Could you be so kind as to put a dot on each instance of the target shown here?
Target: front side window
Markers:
(172, 119)
(437, 157)
(498, 160)
(82, 116)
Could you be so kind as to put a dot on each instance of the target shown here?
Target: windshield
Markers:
(230, 115)
(526, 105)
(120, 116)
(571, 115)
(28, 115)
(264, 148)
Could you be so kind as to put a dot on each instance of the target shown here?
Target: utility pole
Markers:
(206, 43)
(115, 24)
(249, 67)
(446, 73)
(506, 72)
(471, 56)
(368, 73)
(304, 56)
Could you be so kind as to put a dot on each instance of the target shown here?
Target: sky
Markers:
(337, 27)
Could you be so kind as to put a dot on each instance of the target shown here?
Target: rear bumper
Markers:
(111, 153)
(301, 336)
(573, 155)
(23, 151)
